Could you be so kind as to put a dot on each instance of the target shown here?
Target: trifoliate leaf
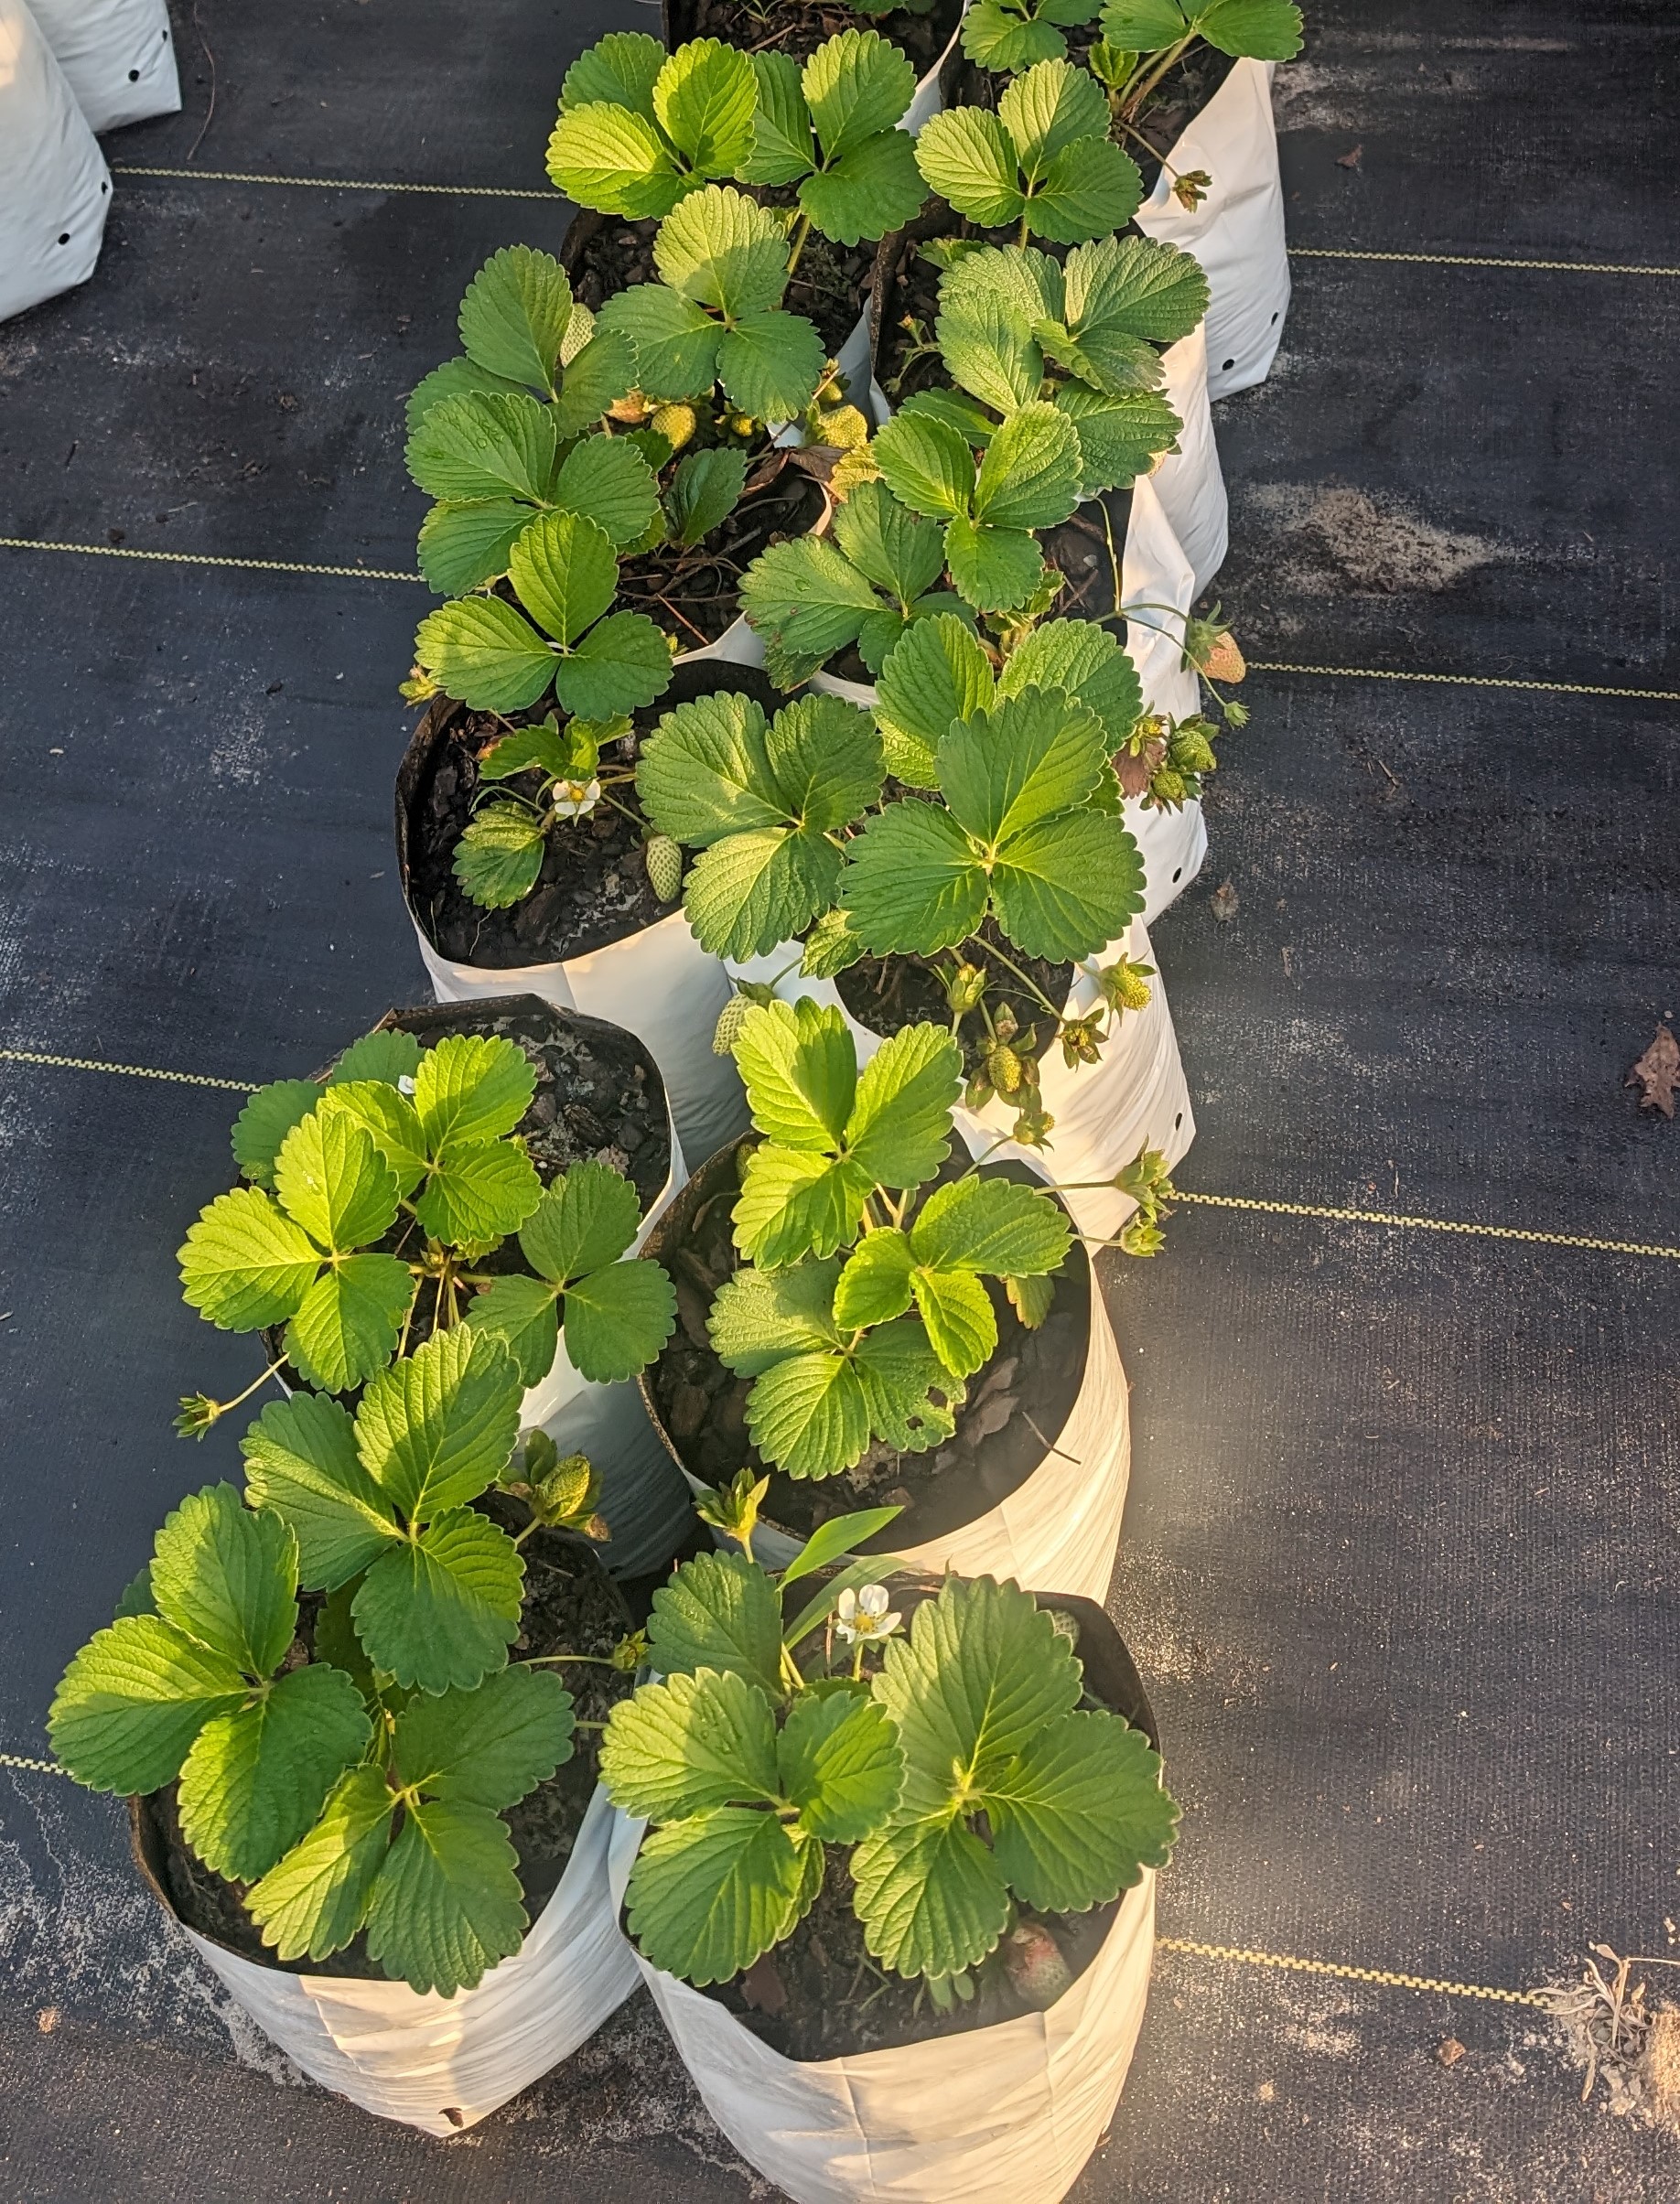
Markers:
(1119, 438)
(346, 1324)
(771, 364)
(719, 1611)
(783, 150)
(525, 1315)
(704, 491)
(387, 1055)
(605, 479)
(875, 1285)
(704, 98)
(615, 161)
(1263, 30)
(1079, 1812)
(313, 1902)
(437, 1427)
(621, 665)
(479, 650)
(619, 69)
(890, 546)
(1089, 189)
(514, 319)
(471, 1087)
(991, 1225)
(441, 1612)
(840, 1765)
(809, 598)
(676, 342)
(489, 1747)
(793, 1203)
(1030, 477)
(931, 1897)
(914, 882)
(132, 1702)
(692, 1741)
(964, 153)
(759, 1316)
(564, 572)
(331, 1179)
(926, 464)
(228, 1577)
(484, 447)
(997, 569)
(870, 190)
(498, 859)
(257, 1777)
(245, 1263)
(709, 1895)
(463, 545)
(447, 1904)
(478, 1194)
(937, 674)
(723, 250)
(301, 1462)
(1067, 886)
(617, 1319)
(265, 1120)
(1036, 755)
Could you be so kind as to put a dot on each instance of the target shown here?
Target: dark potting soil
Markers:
(570, 1606)
(1014, 1413)
(593, 889)
(797, 28)
(820, 1994)
(829, 287)
(694, 592)
(888, 993)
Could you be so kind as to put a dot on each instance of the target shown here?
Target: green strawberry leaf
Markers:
(614, 160)
(228, 1577)
(1144, 27)
(1079, 1814)
(709, 1895)
(997, 569)
(809, 599)
(840, 1765)
(258, 1776)
(899, 1128)
(999, 38)
(987, 344)
(525, 1315)
(809, 1415)
(132, 1702)
(723, 251)
(964, 153)
(990, 1225)
(857, 85)
(386, 1054)
(890, 546)
(800, 1066)
(489, 1746)
(1089, 187)
(463, 545)
(758, 1316)
(471, 1088)
(605, 479)
(447, 1903)
(771, 364)
(314, 1901)
(1088, 664)
(690, 1742)
(454, 379)
(441, 1612)
(1035, 755)
(868, 191)
(912, 1395)
(386, 1114)
(875, 1285)
(1067, 886)
(348, 1324)
(793, 1203)
(514, 316)
(264, 1121)
(1130, 287)
(719, 1611)
(705, 97)
(783, 150)
(301, 1462)
(435, 1429)
(1263, 30)
(1049, 109)
(619, 69)
(245, 1263)
(674, 341)
(1030, 477)
(1119, 438)
(957, 1311)
(926, 464)
(932, 1899)
(498, 859)
(564, 572)
(704, 491)
(479, 650)
(493, 445)
(332, 1180)
(935, 675)
(617, 1319)
(478, 1194)
(586, 1218)
(621, 665)
(601, 374)
(914, 881)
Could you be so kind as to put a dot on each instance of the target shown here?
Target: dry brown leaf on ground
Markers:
(1223, 902)
(1349, 160)
(1657, 1072)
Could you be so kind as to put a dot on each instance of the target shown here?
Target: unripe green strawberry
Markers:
(1167, 787)
(732, 1017)
(664, 863)
(1191, 752)
(1004, 1069)
(675, 423)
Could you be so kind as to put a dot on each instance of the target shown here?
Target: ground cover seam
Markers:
(1465, 1228)
(353, 183)
(1286, 1961)
(1255, 665)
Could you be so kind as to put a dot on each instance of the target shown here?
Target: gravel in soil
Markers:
(593, 889)
(1014, 1414)
(798, 27)
(886, 993)
(570, 1606)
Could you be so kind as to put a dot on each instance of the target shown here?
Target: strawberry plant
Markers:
(954, 1776)
(1044, 162)
(861, 1310)
(1145, 38)
(639, 131)
(716, 316)
(1011, 35)
(380, 1207)
(348, 1761)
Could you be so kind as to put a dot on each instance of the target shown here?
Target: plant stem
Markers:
(1159, 71)
(1026, 226)
(1030, 985)
(802, 231)
(223, 1407)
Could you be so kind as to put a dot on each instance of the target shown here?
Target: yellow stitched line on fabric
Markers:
(341, 183)
(1467, 680)
(1427, 1225)
(204, 558)
(89, 1063)
(1477, 260)
(1289, 1963)
(43, 1767)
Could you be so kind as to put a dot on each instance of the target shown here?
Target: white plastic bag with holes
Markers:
(438, 2063)
(119, 55)
(1158, 586)
(1237, 232)
(1007, 2115)
(1188, 482)
(54, 185)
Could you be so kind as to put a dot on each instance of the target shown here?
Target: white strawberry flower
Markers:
(575, 798)
(865, 1617)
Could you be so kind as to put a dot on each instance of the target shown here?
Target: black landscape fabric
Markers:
(1399, 1560)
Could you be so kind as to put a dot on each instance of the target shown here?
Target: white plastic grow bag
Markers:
(1157, 587)
(438, 2063)
(1105, 1113)
(1237, 232)
(1188, 482)
(1001, 2115)
(118, 54)
(54, 185)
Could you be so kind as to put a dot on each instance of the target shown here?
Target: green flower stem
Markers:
(796, 244)
(1031, 985)
(1136, 99)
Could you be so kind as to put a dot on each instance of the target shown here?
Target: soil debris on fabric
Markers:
(1657, 1073)
(1326, 541)
(1628, 2044)
(570, 1606)
(1223, 902)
